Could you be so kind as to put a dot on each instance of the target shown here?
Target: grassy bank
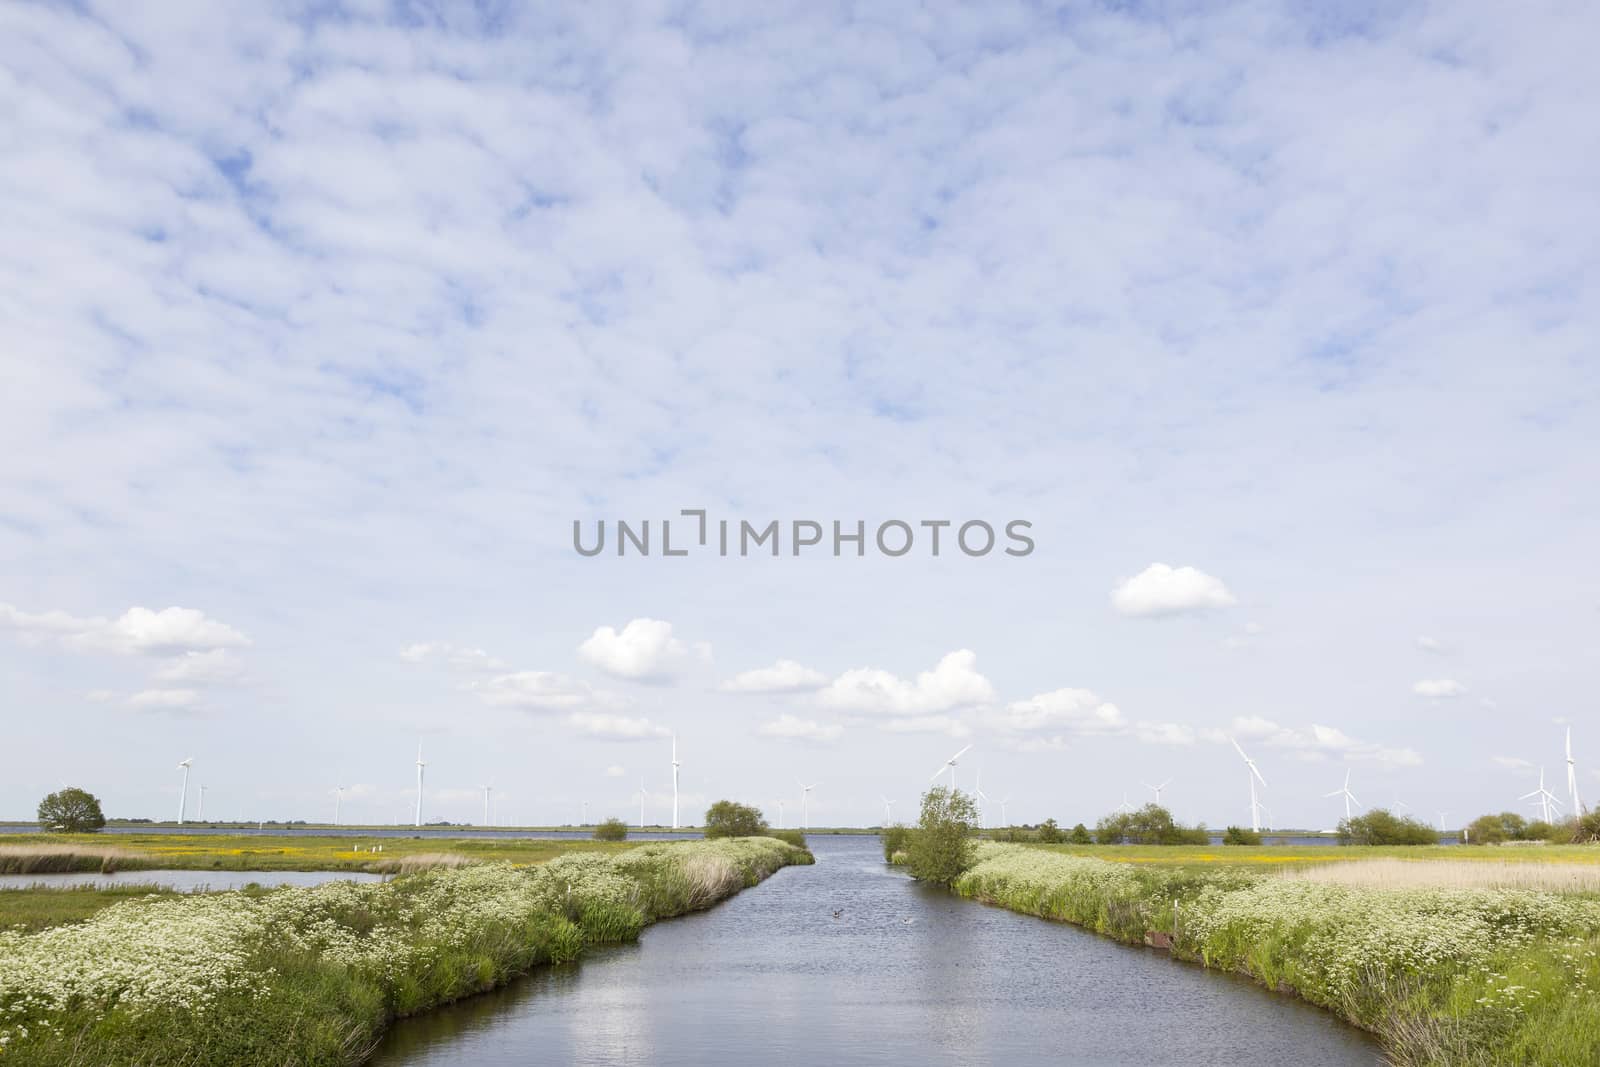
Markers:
(1446, 964)
(45, 853)
(313, 975)
(34, 908)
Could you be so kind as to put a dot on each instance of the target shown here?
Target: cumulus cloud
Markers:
(1430, 644)
(1439, 688)
(616, 770)
(1512, 763)
(540, 691)
(784, 676)
(642, 651)
(1318, 742)
(136, 631)
(947, 725)
(953, 683)
(456, 657)
(1160, 590)
(617, 727)
(217, 667)
(792, 727)
(1076, 711)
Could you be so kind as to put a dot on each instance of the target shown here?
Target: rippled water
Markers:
(184, 880)
(772, 977)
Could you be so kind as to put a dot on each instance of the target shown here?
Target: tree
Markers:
(1049, 832)
(941, 845)
(1381, 827)
(1587, 829)
(611, 830)
(1149, 825)
(1238, 835)
(1493, 829)
(1080, 835)
(727, 818)
(71, 811)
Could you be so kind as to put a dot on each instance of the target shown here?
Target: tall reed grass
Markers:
(63, 859)
(1455, 874)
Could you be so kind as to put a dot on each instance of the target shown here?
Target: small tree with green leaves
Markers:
(1493, 829)
(727, 818)
(1080, 835)
(1049, 833)
(1238, 835)
(941, 845)
(611, 830)
(71, 811)
(1381, 827)
(896, 839)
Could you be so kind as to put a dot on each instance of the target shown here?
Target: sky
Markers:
(321, 326)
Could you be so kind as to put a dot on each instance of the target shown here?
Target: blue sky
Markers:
(319, 327)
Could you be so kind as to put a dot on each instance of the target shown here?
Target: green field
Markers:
(37, 853)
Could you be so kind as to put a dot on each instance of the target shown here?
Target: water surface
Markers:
(772, 977)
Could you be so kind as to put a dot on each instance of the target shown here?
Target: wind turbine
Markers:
(641, 803)
(780, 814)
(487, 791)
(584, 808)
(1344, 791)
(338, 799)
(805, 803)
(1255, 776)
(1572, 777)
(1156, 789)
(1546, 799)
(674, 781)
(888, 811)
(1003, 816)
(979, 795)
(420, 765)
(950, 765)
(200, 816)
(1442, 814)
(183, 796)
(1124, 806)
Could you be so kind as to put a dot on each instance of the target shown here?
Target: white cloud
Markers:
(99, 696)
(217, 667)
(1164, 733)
(784, 676)
(926, 724)
(1512, 763)
(540, 691)
(1429, 644)
(953, 683)
(616, 770)
(793, 727)
(1439, 688)
(169, 699)
(137, 630)
(617, 727)
(1077, 711)
(644, 651)
(456, 657)
(1319, 742)
(1160, 590)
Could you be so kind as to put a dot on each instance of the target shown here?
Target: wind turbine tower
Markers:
(950, 765)
(805, 803)
(420, 766)
(1344, 791)
(1572, 778)
(183, 795)
(1156, 789)
(1255, 776)
(888, 811)
(674, 781)
(200, 816)
(487, 791)
(1544, 798)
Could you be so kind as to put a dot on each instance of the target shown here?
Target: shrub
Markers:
(895, 839)
(1587, 829)
(941, 846)
(71, 811)
(726, 818)
(1080, 835)
(1149, 825)
(1381, 827)
(797, 838)
(611, 830)
(1049, 833)
(1238, 835)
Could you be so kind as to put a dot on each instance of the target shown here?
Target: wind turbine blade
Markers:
(1335, 793)
(1257, 773)
(1239, 750)
(1535, 793)
(942, 768)
(1353, 799)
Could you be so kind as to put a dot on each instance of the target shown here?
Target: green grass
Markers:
(35, 853)
(1446, 974)
(36, 907)
(313, 975)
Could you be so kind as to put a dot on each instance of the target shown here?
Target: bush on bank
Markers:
(313, 975)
